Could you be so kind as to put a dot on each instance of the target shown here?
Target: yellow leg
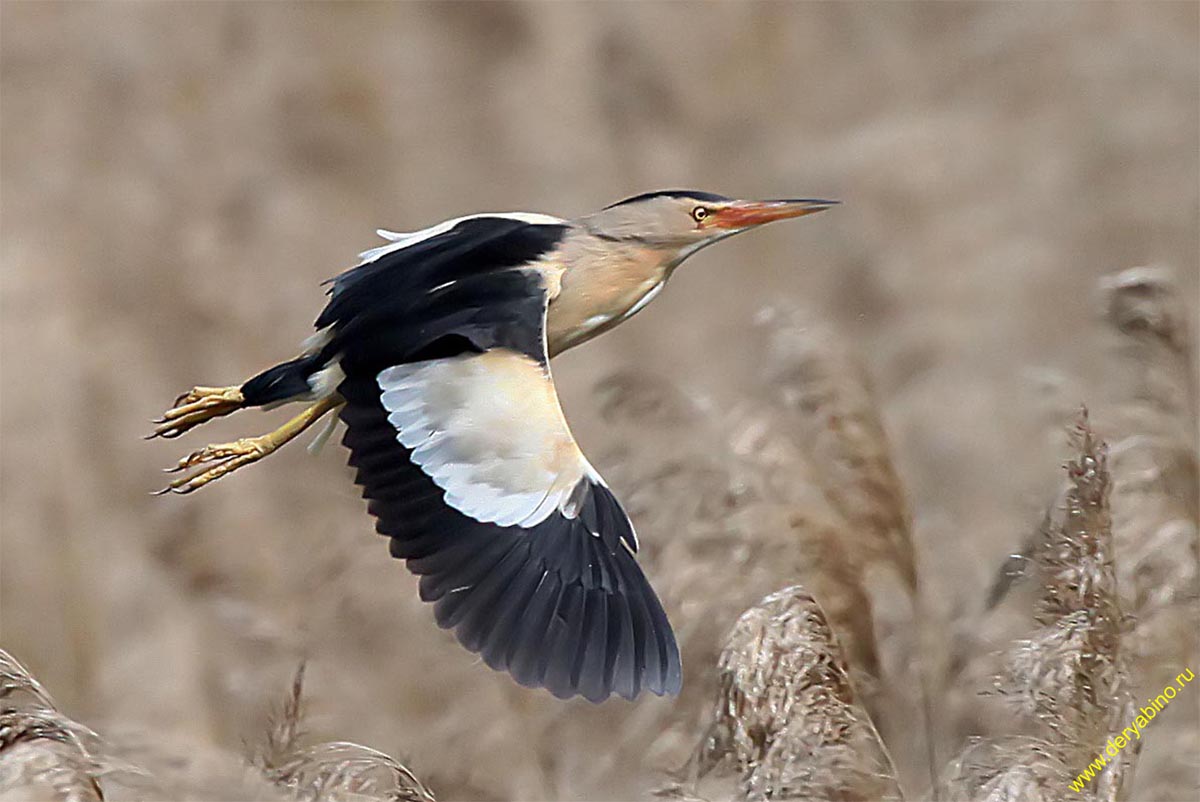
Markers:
(196, 406)
(228, 457)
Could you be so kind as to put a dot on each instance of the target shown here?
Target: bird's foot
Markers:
(198, 405)
(225, 458)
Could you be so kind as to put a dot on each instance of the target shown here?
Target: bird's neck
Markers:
(602, 284)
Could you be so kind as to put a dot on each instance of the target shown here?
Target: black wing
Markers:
(469, 468)
(465, 281)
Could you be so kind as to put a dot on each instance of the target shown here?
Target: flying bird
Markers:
(435, 352)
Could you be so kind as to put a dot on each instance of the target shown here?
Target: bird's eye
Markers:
(699, 213)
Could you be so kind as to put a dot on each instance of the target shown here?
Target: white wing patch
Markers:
(488, 429)
(399, 240)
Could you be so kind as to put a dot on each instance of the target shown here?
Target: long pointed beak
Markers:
(743, 214)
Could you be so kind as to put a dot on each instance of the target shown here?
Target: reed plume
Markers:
(1006, 769)
(1072, 675)
(786, 720)
(834, 417)
(40, 747)
(1156, 474)
(334, 770)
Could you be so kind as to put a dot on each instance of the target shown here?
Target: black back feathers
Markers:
(474, 246)
(470, 284)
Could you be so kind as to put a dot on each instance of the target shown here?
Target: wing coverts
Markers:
(488, 430)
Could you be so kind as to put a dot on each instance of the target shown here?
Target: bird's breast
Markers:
(595, 296)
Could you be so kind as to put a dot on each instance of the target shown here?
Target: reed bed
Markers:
(778, 532)
(44, 755)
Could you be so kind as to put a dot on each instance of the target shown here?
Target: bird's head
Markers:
(682, 222)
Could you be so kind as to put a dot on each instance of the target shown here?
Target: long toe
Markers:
(197, 406)
(225, 458)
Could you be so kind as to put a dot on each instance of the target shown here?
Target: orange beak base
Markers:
(743, 214)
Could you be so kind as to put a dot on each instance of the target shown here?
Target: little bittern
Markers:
(434, 351)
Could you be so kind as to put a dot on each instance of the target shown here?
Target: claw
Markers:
(223, 459)
(198, 405)
(228, 457)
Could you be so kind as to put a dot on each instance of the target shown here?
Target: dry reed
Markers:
(1146, 306)
(1072, 676)
(786, 719)
(1078, 608)
(46, 754)
(1006, 769)
(822, 400)
(335, 770)
(836, 421)
(40, 748)
(1155, 466)
(798, 488)
(1117, 570)
(1156, 473)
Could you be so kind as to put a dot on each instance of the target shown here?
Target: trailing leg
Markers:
(228, 457)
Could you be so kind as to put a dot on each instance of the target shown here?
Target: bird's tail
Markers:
(283, 382)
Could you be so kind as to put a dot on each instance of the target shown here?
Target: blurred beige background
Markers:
(177, 178)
